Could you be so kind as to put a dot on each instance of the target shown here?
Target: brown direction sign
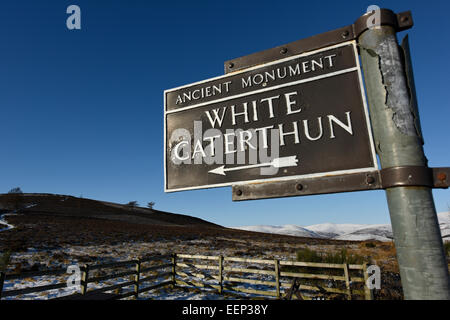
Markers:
(303, 116)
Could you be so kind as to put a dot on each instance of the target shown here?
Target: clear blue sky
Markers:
(82, 110)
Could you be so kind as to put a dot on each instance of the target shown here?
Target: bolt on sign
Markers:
(303, 116)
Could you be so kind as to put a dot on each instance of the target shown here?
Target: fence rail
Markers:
(231, 274)
(224, 275)
(135, 275)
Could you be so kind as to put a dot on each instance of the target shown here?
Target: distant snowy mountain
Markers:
(359, 232)
(380, 232)
(332, 230)
(288, 229)
(444, 223)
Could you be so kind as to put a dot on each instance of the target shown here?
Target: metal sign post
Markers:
(398, 139)
(324, 83)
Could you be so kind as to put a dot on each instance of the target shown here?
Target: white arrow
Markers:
(276, 163)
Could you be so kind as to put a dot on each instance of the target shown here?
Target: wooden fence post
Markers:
(84, 279)
(277, 277)
(174, 263)
(137, 278)
(2, 280)
(368, 293)
(220, 274)
(347, 281)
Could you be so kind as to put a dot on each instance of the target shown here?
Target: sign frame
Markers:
(361, 90)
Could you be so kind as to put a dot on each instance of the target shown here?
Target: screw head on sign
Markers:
(370, 179)
(239, 192)
(283, 50)
(299, 186)
(345, 34)
(231, 65)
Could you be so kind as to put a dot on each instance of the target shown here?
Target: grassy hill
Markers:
(69, 206)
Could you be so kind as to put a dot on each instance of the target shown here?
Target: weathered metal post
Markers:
(398, 140)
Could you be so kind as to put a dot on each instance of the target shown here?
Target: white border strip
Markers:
(250, 69)
(323, 76)
(287, 178)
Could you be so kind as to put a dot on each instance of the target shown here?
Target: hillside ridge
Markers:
(70, 206)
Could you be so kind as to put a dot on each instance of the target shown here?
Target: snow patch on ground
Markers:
(64, 256)
(4, 223)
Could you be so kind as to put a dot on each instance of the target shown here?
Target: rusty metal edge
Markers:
(441, 177)
(303, 187)
(371, 180)
(287, 50)
(400, 22)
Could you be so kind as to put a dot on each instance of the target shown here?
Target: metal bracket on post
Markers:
(372, 180)
(400, 22)
(406, 176)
